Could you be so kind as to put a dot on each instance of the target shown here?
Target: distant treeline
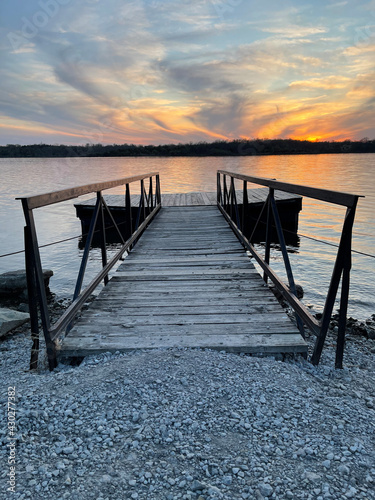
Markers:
(237, 147)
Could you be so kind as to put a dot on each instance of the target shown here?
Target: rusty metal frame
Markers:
(36, 291)
(227, 203)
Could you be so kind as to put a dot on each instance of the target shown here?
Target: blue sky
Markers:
(88, 71)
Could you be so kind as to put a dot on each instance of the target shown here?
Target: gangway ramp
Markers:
(188, 282)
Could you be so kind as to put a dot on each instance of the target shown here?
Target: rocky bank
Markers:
(191, 424)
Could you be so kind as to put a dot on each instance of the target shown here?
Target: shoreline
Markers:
(235, 147)
(288, 153)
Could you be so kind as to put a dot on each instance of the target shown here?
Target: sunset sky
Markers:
(155, 72)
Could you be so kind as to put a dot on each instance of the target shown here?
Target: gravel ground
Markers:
(190, 424)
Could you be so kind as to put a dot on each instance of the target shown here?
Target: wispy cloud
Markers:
(327, 83)
(175, 70)
(295, 31)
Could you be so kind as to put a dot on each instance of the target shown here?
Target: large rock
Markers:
(10, 319)
(280, 296)
(14, 284)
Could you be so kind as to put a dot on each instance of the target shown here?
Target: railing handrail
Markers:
(149, 205)
(328, 195)
(227, 203)
(42, 200)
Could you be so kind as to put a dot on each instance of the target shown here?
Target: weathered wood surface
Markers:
(337, 197)
(193, 199)
(187, 283)
(45, 199)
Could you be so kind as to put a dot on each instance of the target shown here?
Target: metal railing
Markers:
(149, 205)
(227, 203)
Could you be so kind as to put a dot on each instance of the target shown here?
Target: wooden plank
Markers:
(101, 318)
(179, 308)
(155, 269)
(199, 260)
(188, 199)
(212, 259)
(201, 252)
(172, 200)
(186, 273)
(259, 343)
(164, 300)
(205, 199)
(194, 199)
(199, 249)
(204, 288)
(116, 300)
(192, 239)
(192, 281)
(188, 241)
(206, 283)
(218, 232)
(183, 287)
(187, 244)
(166, 199)
(177, 268)
(223, 233)
(91, 328)
(177, 200)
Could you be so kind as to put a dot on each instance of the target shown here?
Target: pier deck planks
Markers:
(187, 283)
(258, 195)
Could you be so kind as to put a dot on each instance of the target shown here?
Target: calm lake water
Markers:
(312, 261)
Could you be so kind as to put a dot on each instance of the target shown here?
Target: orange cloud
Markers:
(330, 82)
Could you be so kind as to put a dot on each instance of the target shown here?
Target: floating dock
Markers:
(288, 205)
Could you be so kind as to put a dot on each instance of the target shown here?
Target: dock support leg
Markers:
(103, 245)
(33, 306)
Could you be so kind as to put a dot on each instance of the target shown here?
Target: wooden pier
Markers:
(188, 282)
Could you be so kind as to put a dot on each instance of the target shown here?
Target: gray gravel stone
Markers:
(265, 489)
(188, 424)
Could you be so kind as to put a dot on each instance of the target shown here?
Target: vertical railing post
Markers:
(288, 267)
(128, 211)
(342, 264)
(139, 211)
(86, 251)
(151, 195)
(36, 274)
(225, 193)
(32, 299)
(268, 233)
(157, 190)
(218, 188)
(342, 316)
(231, 193)
(235, 205)
(85, 256)
(143, 190)
(245, 203)
(103, 243)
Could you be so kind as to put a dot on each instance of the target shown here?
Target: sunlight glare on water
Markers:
(312, 262)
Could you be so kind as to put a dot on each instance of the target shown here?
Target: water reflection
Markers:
(312, 264)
